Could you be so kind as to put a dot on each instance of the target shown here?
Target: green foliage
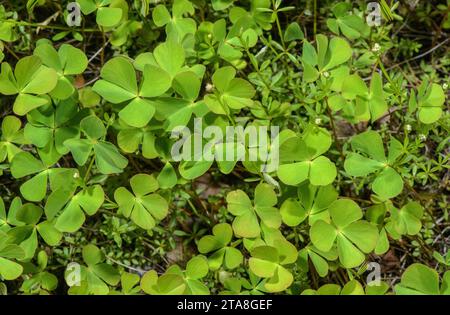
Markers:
(95, 275)
(352, 236)
(420, 279)
(301, 158)
(353, 168)
(388, 183)
(246, 223)
(143, 206)
(230, 257)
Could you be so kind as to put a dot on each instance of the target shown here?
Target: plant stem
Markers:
(280, 32)
(315, 18)
(54, 27)
(11, 52)
(88, 171)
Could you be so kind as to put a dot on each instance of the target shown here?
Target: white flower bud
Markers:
(445, 86)
(318, 121)
(376, 47)
(209, 87)
(326, 74)
(408, 127)
(422, 137)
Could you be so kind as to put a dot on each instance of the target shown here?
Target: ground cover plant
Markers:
(224, 147)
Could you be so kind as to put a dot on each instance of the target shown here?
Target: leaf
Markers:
(322, 235)
(10, 270)
(222, 235)
(161, 15)
(407, 220)
(358, 165)
(418, 279)
(137, 113)
(71, 207)
(246, 222)
(219, 5)
(353, 236)
(144, 207)
(119, 82)
(292, 213)
(108, 17)
(93, 127)
(293, 32)
(169, 284)
(187, 84)
(194, 169)
(156, 81)
(340, 52)
(388, 184)
(24, 103)
(322, 171)
(73, 60)
(170, 57)
(265, 263)
(167, 178)
(25, 164)
(430, 104)
(197, 267)
(350, 25)
(234, 93)
(329, 55)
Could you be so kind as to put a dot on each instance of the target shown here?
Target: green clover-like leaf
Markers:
(388, 183)
(69, 207)
(11, 139)
(312, 203)
(218, 243)
(177, 25)
(419, 279)
(31, 80)
(327, 59)
(175, 281)
(246, 223)
(9, 269)
(352, 236)
(67, 61)
(231, 93)
(107, 157)
(35, 189)
(301, 158)
(106, 14)
(267, 263)
(53, 126)
(96, 275)
(351, 26)
(429, 102)
(29, 225)
(369, 103)
(406, 221)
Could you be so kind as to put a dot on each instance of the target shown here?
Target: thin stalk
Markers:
(315, 18)
(280, 32)
(88, 171)
(54, 27)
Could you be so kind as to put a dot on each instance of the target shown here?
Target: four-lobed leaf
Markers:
(218, 243)
(372, 159)
(143, 206)
(352, 236)
(246, 223)
(31, 81)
